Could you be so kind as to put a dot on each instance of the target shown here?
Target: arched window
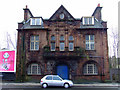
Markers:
(53, 43)
(70, 38)
(62, 38)
(53, 38)
(34, 69)
(90, 69)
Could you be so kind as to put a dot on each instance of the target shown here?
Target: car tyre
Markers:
(44, 85)
(66, 85)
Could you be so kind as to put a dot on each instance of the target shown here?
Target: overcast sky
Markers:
(11, 12)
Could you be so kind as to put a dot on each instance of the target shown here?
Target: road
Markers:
(8, 87)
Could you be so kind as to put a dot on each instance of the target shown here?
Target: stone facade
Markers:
(44, 61)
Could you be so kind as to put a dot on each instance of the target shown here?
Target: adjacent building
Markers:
(70, 47)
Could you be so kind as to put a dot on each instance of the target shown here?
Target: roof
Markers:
(59, 11)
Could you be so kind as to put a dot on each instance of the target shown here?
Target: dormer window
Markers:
(88, 20)
(36, 21)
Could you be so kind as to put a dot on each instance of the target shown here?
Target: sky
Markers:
(12, 13)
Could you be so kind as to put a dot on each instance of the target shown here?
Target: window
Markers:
(61, 16)
(70, 38)
(62, 45)
(34, 43)
(49, 78)
(34, 69)
(71, 46)
(33, 21)
(90, 69)
(36, 21)
(89, 42)
(53, 43)
(52, 46)
(88, 20)
(62, 38)
(53, 38)
(56, 78)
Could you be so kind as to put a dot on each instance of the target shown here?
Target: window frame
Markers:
(72, 46)
(62, 38)
(52, 47)
(90, 44)
(88, 20)
(61, 46)
(71, 41)
(34, 41)
(57, 77)
(49, 79)
(53, 38)
(36, 21)
(87, 68)
(62, 43)
(30, 67)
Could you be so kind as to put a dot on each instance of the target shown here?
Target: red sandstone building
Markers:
(72, 48)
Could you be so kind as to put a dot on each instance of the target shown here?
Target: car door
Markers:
(57, 81)
(49, 80)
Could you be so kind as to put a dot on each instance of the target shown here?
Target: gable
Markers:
(61, 14)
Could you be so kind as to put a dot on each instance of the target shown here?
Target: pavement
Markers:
(75, 85)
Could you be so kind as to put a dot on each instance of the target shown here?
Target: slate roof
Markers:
(62, 9)
(28, 26)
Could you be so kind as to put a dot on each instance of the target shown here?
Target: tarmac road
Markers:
(15, 87)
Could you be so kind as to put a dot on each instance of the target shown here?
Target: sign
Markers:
(7, 61)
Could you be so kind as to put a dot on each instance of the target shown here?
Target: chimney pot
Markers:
(26, 6)
(99, 5)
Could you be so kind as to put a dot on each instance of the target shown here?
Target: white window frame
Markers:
(34, 41)
(36, 21)
(93, 69)
(88, 20)
(90, 42)
(31, 69)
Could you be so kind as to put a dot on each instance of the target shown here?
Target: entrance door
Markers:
(62, 71)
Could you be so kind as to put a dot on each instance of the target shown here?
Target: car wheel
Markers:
(44, 85)
(66, 85)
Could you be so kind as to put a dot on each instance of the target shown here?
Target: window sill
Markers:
(90, 50)
(34, 50)
(88, 24)
(90, 74)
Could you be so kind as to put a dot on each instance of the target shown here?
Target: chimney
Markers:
(98, 5)
(20, 25)
(27, 13)
(97, 12)
(104, 24)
